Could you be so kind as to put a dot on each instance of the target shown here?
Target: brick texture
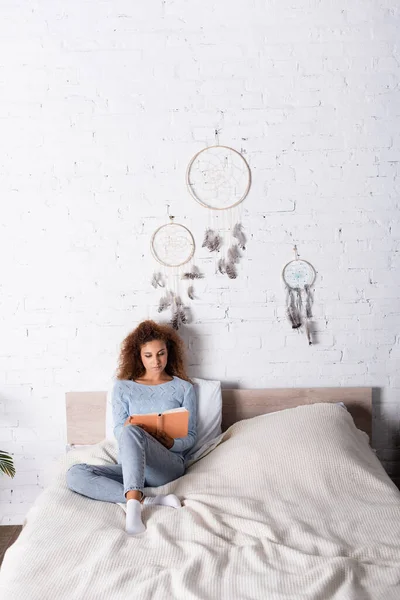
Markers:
(103, 104)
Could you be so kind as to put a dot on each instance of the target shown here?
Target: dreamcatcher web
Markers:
(172, 245)
(298, 274)
(218, 177)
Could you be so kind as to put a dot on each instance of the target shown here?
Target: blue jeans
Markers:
(142, 462)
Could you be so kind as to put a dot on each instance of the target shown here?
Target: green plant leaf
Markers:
(7, 464)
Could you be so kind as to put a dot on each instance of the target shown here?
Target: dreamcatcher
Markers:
(173, 247)
(298, 276)
(219, 178)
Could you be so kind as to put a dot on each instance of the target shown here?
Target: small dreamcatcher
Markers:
(173, 247)
(219, 179)
(298, 276)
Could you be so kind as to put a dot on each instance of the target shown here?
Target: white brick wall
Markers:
(102, 106)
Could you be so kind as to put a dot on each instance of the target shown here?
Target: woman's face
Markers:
(154, 357)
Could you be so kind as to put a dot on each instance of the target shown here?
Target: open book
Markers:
(174, 422)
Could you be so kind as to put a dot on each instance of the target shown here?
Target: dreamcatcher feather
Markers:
(157, 280)
(221, 266)
(212, 240)
(239, 235)
(293, 310)
(173, 247)
(178, 313)
(194, 273)
(230, 239)
(231, 271)
(233, 254)
(165, 301)
(298, 276)
(234, 240)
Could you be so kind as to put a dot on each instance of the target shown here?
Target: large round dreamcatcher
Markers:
(173, 247)
(219, 179)
(299, 276)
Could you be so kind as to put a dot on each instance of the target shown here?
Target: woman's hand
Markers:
(164, 439)
(128, 422)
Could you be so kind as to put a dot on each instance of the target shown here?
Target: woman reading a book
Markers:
(151, 381)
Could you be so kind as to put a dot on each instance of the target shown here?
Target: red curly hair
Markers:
(130, 362)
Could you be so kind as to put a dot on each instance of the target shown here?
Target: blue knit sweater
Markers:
(131, 398)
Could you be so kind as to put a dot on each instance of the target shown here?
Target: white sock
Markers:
(134, 523)
(169, 500)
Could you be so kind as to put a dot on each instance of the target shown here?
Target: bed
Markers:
(290, 502)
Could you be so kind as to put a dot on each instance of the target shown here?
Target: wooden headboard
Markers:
(86, 410)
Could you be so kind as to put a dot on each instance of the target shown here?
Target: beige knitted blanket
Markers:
(291, 505)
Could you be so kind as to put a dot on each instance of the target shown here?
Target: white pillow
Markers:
(109, 416)
(209, 412)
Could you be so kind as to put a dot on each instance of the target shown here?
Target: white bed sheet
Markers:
(289, 505)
